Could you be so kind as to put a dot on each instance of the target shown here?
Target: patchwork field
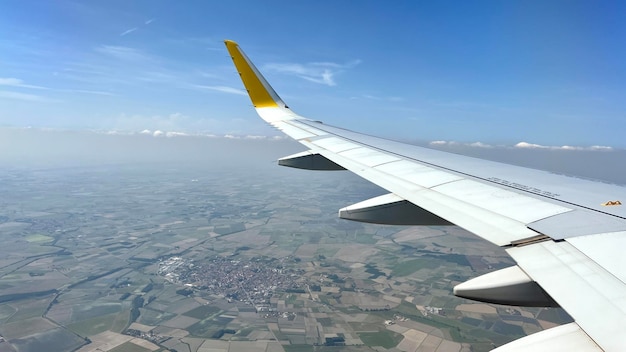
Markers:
(202, 259)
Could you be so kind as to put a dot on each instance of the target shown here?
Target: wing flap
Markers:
(580, 222)
(594, 297)
(564, 338)
(507, 203)
(606, 249)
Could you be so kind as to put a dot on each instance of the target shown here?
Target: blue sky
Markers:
(548, 73)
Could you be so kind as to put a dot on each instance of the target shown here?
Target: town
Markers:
(251, 281)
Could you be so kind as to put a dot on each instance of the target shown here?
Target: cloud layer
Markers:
(522, 145)
(317, 72)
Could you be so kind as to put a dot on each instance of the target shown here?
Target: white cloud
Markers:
(178, 123)
(375, 97)
(10, 81)
(171, 122)
(176, 134)
(520, 145)
(128, 31)
(480, 145)
(25, 97)
(123, 53)
(600, 147)
(223, 89)
(150, 21)
(16, 82)
(526, 145)
(255, 137)
(438, 143)
(317, 72)
(95, 92)
(114, 133)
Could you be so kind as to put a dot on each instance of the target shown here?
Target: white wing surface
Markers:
(566, 234)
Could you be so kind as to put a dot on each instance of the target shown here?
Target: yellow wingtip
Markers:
(260, 92)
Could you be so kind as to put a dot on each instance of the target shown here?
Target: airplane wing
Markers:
(567, 235)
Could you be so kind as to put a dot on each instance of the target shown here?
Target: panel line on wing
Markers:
(368, 157)
(336, 145)
(292, 131)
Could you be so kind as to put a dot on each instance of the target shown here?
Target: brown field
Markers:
(477, 308)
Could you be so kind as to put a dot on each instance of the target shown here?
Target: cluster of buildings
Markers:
(252, 281)
(149, 336)
(171, 268)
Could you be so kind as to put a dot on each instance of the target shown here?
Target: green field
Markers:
(298, 348)
(38, 238)
(386, 339)
(206, 328)
(203, 312)
(111, 253)
(129, 347)
(57, 339)
(90, 311)
(114, 322)
(27, 309)
(6, 311)
(365, 238)
(410, 266)
(154, 317)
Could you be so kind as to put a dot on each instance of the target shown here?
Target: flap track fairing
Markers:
(310, 161)
(510, 286)
(390, 209)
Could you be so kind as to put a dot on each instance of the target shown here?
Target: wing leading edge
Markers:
(526, 211)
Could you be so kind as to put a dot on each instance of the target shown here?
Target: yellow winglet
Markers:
(260, 92)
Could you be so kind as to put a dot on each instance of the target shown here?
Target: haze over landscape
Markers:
(131, 242)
